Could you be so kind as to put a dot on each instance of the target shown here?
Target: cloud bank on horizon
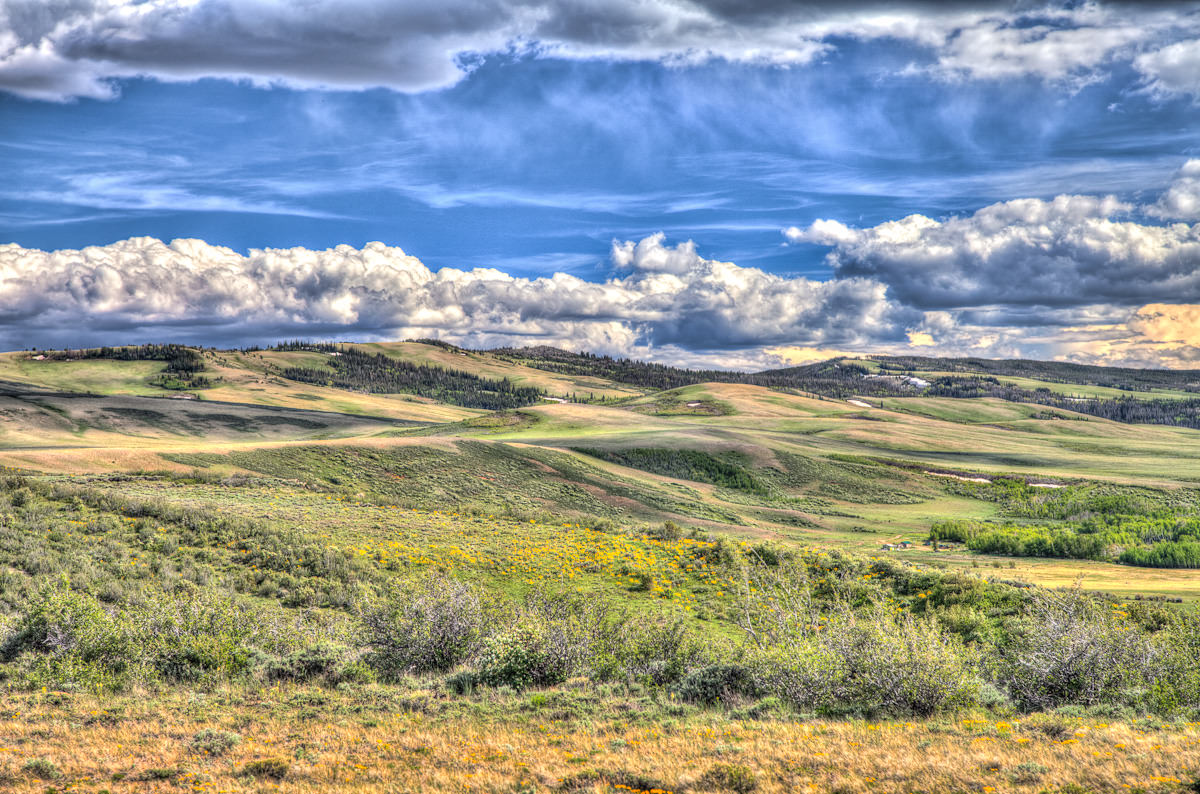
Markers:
(1061, 279)
(975, 178)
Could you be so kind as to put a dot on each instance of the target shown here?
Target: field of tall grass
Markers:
(321, 624)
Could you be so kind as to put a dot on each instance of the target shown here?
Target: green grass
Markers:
(810, 459)
(213, 565)
(1083, 390)
(92, 376)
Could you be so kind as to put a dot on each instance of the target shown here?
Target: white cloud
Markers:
(1181, 200)
(997, 49)
(58, 49)
(666, 298)
(1173, 69)
(1070, 251)
(666, 303)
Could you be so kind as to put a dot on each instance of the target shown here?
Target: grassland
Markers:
(235, 546)
(411, 739)
(765, 427)
(1081, 390)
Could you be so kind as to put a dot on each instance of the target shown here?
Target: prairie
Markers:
(718, 587)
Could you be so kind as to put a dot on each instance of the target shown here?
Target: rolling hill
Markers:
(319, 567)
(842, 472)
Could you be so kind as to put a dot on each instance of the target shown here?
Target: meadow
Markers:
(721, 587)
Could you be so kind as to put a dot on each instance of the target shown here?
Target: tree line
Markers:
(355, 370)
(1129, 410)
(1124, 378)
(836, 378)
(183, 364)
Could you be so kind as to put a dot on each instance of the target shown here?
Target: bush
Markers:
(214, 742)
(1178, 687)
(524, 656)
(326, 662)
(718, 683)
(730, 777)
(432, 627)
(669, 531)
(42, 769)
(463, 682)
(874, 663)
(588, 637)
(1070, 649)
(68, 639)
(270, 768)
(196, 636)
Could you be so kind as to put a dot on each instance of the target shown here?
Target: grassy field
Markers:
(767, 428)
(1082, 390)
(308, 739)
(187, 585)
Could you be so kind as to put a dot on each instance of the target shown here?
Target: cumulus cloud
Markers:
(1154, 335)
(664, 303)
(1071, 251)
(1173, 69)
(1168, 324)
(1181, 200)
(664, 298)
(997, 49)
(56, 49)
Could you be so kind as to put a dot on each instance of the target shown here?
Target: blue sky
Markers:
(541, 147)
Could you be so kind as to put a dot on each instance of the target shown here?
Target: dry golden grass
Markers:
(379, 740)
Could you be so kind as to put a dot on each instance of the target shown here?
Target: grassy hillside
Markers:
(1120, 378)
(718, 587)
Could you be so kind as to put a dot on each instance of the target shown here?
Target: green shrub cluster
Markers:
(1135, 526)
(686, 464)
(102, 592)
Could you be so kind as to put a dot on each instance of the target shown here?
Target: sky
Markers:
(721, 183)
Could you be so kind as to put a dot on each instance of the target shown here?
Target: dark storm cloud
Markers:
(74, 48)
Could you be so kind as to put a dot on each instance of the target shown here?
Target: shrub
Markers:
(42, 769)
(1178, 687)
(718, 683)
(579, 636)
(326, 662)
(730, 777)
(669, 531)
(769, 707)
(463, 682)
(68, 638)
(655, 649)
(1070, 649)
(432, 627)
(270, 768)
(523, 656)
(215, 742)
(873, 663)
(196, 635)
(1027, 773)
